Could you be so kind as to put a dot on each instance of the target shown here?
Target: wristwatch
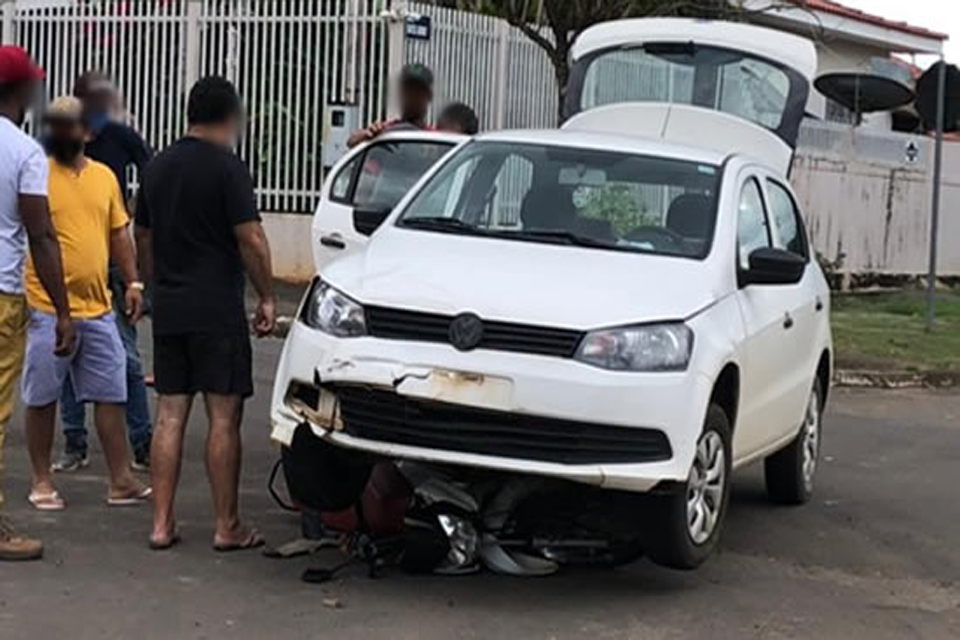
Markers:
(136, 286)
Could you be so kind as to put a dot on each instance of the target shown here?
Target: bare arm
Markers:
(363, 135)
(45, 249)
(124, 256)
(255, 252)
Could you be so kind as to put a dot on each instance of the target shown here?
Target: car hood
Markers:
(524, 282)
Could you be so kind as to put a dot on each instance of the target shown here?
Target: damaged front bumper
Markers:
(507, 412)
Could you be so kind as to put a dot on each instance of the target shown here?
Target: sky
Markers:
(939, 15)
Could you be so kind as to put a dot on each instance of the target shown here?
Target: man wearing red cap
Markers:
(24, 221)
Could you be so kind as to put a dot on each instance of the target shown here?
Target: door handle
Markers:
(787, 321)
(819, 305)
(333, 242)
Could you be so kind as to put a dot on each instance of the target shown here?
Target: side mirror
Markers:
(774, 267)
(366, 220)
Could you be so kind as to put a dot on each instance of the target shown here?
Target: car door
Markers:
(770, 401)
(365, 187)
(806, 304)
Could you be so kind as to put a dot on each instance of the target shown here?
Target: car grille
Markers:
(384, 416)
(397, 324)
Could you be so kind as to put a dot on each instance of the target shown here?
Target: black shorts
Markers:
(203, 363)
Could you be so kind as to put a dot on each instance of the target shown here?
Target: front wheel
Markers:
(684, 525)
(791, 471)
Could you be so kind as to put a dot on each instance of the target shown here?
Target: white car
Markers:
(629, 302)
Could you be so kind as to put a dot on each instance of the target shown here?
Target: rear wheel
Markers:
(790, 472)
(684, 525)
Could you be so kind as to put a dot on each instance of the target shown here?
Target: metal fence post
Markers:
(937, 186)
(503, 48)
(8, 33)
(192, 60)
(397, 39)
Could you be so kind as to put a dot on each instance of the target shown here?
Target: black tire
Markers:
(666, 536)
(786, 479)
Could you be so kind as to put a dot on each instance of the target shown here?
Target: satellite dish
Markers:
(865, 92)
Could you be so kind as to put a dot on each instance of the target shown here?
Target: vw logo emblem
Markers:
(466, 331)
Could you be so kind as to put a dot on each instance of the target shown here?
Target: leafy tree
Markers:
(619, 204)
(554, 25)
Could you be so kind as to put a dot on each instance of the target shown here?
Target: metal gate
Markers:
(289, 59)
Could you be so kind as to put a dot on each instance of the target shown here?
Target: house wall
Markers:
(869, 209)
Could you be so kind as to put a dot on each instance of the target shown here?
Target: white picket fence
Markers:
(289, 59)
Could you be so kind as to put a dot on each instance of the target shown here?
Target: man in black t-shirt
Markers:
(198, 230)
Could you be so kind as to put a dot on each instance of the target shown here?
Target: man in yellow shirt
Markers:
(91, 223)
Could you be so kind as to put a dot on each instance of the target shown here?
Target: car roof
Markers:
(421, 135)
(607, 142)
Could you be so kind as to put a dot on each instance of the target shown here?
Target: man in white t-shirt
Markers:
(24, 222)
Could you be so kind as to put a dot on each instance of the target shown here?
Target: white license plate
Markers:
(459, 387)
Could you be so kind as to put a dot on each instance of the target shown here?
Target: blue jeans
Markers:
(139, 428)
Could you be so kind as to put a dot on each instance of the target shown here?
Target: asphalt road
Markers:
(876, 555)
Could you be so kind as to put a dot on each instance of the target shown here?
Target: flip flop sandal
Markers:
(253, 541)
(131, 500)
(171, 542)
(46, 501)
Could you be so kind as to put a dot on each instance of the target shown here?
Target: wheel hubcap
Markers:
(705, 488)
(811, 440)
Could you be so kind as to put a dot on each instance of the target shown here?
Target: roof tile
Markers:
(835, 8)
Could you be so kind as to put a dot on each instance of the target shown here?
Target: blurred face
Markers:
(65, 139)
(99, 106)
(415, 101)
(23, 99)
(230, 131)
(225, 134)
(450, 125)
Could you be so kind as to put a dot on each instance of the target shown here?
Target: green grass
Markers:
(885, 331)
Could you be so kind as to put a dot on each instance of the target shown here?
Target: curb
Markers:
(862, 379)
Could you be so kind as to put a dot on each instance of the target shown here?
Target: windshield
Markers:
(562, 195)
(732, 82)
(390, 169)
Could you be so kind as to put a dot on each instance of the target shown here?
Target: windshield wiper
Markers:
(455, 225)
(559, 236)
(439, 223)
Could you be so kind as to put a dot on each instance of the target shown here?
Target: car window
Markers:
(752, 232)
(786, 220)
(729, 81)
(340, 191)
(587, 197)
(389, 170)
(511, 186)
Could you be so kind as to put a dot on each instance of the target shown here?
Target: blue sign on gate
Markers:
(419, 28)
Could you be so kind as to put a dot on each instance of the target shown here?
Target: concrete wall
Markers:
(873, 207)
(289, 236)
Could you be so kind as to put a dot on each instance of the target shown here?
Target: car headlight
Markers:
(332, 312)
(652, 347)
